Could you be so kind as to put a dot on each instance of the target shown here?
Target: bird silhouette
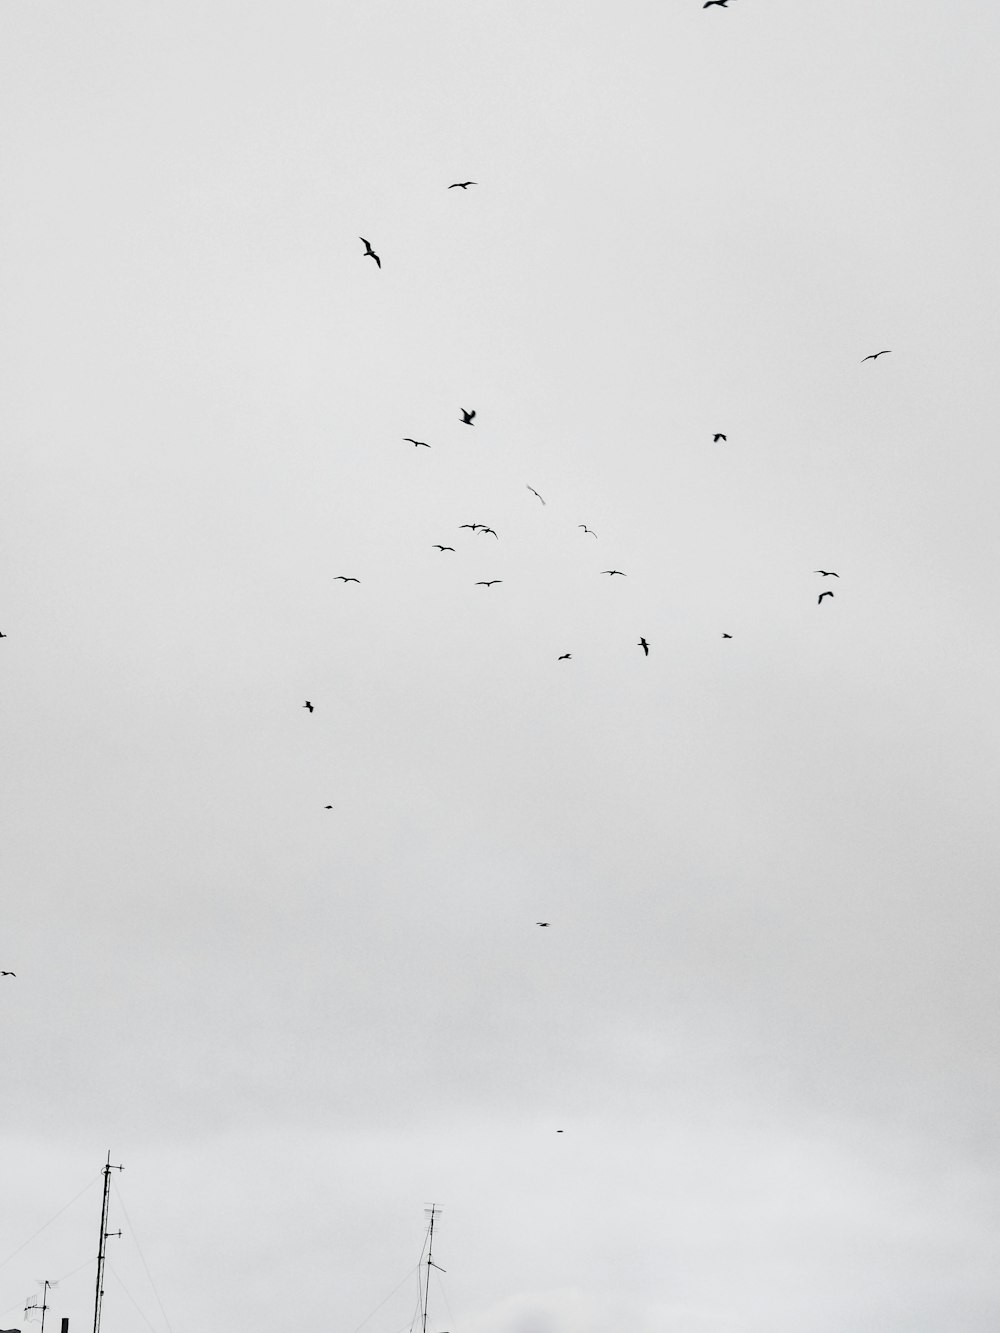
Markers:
(615, 571)
(370, 251)
(467, 416)
(3, 636)
(543, 924)
(328, 807)
(534, 492)
(483, 529)
(717, 438)
(827, 573)
(721, 3)
(586, 529)
(822, 595)
(564, 657)
(644, 646)
(488, 583)
(462, 185)
(308, 705)
(474, 526)
(726, 636)
(439, 547)
(874, 356)
(8, 974)
(345, 578)
(420, 444)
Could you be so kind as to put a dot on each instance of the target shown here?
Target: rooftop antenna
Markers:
(105, 1233)
(433, 1210)
(31, 1306)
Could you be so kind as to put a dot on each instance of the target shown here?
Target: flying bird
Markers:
(467, 416)
(822, 595)
(421, 444)
(644, 646)
(370, 251)
(462, 185)
(484, 529)
(473, 526)
(615, 571)
(308, 705)
(438, 547)
(726, 636)
(541, 923)
(564, 657)
(328, 807)
(874, 356)
(534, 492)
(827, 573)
(2, 636)
(721, 3)
(8, 974)
(717, 438)
(586, 529)
(488, 583)
(345, 578)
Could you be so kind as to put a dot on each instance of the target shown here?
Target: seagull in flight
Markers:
(534, 492)
(726, 636)
(8, 974)
(439, 547)
(3, 636)
(615, 571)
(417, 444)
(543, 924)
(462, 185)
(467, 416)
(564, 657)
(488, 583)
(484, 529)
(328, 807)
(721, 3)
(827, 573)
(345, 578)
(874, 356)
(474, 526)
(822, 595)
(308, 705)
(716, 438)
(586, 529)
(644, 646)
(370, 251)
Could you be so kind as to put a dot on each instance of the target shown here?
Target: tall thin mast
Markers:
(105, 1233)
(44, 1305)
(434, 1210)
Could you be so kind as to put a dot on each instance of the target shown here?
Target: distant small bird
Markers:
(534, 492)
(726, 636)
(717, 438)
(328, 807)
(488, 583)
(345, 578)
(721, 3)
(873, 356)
(370, 251)
(614, 571)
(542, 923)
(822, 595)
(308, 705)
(559, 1131)
(3, 636)
(462, 185)
(419, 444)
(467, 416)
(565, 657)
(438, 547)
(644, 646)
(586, 529)
(827, 573)
(473, 526)
(8, 974)
(483, 529)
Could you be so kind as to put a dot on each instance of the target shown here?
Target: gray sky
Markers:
(764, 1014)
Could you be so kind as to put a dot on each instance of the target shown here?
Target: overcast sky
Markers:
(764, 1014)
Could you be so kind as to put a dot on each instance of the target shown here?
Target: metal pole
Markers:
(99, 1294)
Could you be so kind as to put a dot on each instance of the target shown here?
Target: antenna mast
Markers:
(434, 1210)
(44, 1305)
(105, 1233)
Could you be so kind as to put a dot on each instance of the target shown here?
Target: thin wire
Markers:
(131, 1228)
(131, 1298)
(388, 1298)
(51, 1219)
